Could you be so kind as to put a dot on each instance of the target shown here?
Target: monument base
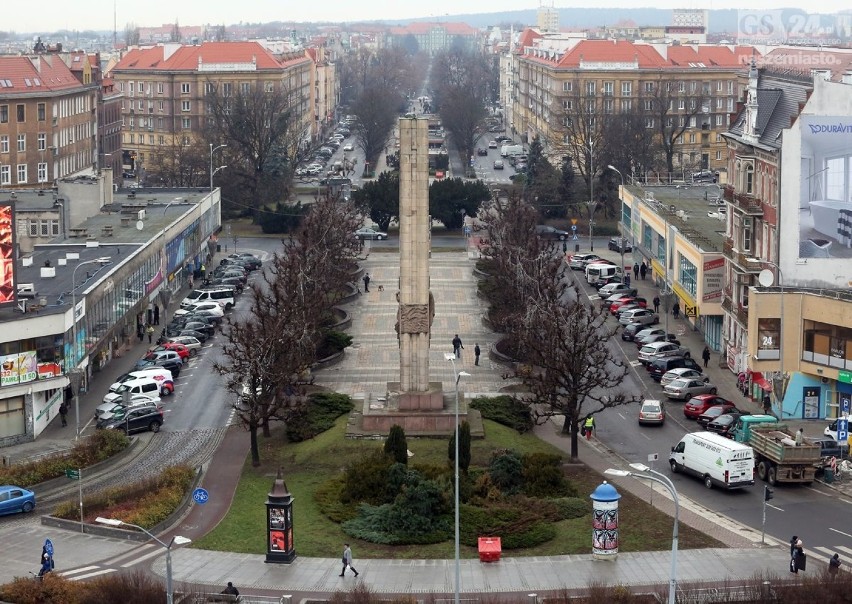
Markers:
(429, 400)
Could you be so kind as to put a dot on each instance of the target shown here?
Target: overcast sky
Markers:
(51, 15)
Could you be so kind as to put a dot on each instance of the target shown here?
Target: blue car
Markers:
(15, 499)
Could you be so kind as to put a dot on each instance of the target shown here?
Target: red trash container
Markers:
(489, 549)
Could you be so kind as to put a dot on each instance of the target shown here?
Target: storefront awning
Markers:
(757, 378)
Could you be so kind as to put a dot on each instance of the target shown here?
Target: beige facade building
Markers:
(48, 121)
(164, 90)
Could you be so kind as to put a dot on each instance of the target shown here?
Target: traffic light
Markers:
(767, 493)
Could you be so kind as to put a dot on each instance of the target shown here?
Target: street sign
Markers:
(575, 238)
(690, 311)
(200, 496)
(573, 227)
(842, 430)
(844, 404)
(72, 474)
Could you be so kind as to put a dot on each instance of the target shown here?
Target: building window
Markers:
(22, 142)
(747, 235)
(692, 137)
(720, 120)
(719, 137)
(718, 155)
(42, 172)
(649, 122)
(608, 105)
(568, 104)
(567, 86)
(141, 105)
(626, 105)
(731, 87)
(649, 86)
(22, 174)
(42, 112)
(626, 88)
(45, 228)
(42, 141)
(4, 114)
(186, 123)
(151, 139)
(648, 105)
(270, 87)
(4, 143)
(590, 88)
(22, 113)
(159, 123)
(184, 88)
(131, 87)
(245, 88)
(227, 89)
(159, 88)
(161, 140)
(185, 105)
(749, 180)
(5, 175)
(210, 88)
(140, 86)
(161, 106)
(608, 88)
(33, 226)
(54, 228)
(688, 275)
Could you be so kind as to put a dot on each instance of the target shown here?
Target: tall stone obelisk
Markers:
(416, 305)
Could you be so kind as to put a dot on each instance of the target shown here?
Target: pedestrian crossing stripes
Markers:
(126, 560)
(79, 574)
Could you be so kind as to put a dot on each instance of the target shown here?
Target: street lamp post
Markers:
(451, 357)
(766, 279)
(176, 540)
(77, 377)
(591, 203)
(643, 471)
(621, 218)
(212, 171)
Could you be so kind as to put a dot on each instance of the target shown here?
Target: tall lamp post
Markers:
(76, 375)
(212, 171)
(451, 357)
(176, 540)
(591, 203)
(621, 218)
(643, 471)
(766, 279)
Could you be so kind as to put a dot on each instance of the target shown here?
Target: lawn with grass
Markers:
(308, 465)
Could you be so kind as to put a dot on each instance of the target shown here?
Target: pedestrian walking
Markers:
(636, 270)
(643, 270)
(140, 332)
(347, 560)
(476, 353)
(676, 309)
(457, 346)
(767, 404)
(63, 413)
(798, 561)
(366, 282)
(150, 331)
(230, 590)
(627, 279)
(589, 426)
(834, 565)
(793, 540)
(657, 304)
(706, 356)
(156, 315)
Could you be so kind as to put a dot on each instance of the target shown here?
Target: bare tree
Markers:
(376, 114)
(675, 104)
(175, 35)
(131, 34)
(180, 164)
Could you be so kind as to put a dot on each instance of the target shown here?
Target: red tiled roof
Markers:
(711, 56)
(186, 58)
(527, 37)
(45, 73)
(610, 51)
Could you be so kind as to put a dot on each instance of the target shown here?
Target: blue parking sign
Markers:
(842, 430)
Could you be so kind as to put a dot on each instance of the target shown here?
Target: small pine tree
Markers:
(396, 446)
(464, 446)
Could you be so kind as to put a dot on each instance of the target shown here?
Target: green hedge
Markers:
(506, 410)
(318, 415)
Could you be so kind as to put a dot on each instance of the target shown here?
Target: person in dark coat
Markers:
(63, 413)
(156, 314)
(643, 270)
(231, 590)
(706, 356)
(834, 565)
(636, 270)
(657, 304)
(457, 346)
(797, 560)
(676, 310)
(476, 352)
(366, 282)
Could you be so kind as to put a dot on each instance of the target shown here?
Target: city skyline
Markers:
(54, 15)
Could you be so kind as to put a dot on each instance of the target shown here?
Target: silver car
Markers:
(661, 350)
(643, 316)
(677, 374)
(683, 389)
(107, 410)
(368, 233)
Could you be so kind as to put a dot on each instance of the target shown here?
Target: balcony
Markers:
(748, 204)
(737, 310)
(739, 259)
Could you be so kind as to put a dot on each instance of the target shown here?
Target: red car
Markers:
(701, 403)
(183, 352)
(639, 302)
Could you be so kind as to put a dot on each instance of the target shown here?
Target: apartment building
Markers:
(555, 80)
(326, 89)
(48, 121)
(164, 90)
(433, 38)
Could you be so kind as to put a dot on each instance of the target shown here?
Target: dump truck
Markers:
(777, 458)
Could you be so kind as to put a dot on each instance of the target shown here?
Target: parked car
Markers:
(578, 262)
(481, 151)
(701, 403)
(658, 367)
(612, 279)
(160, 358)
(629, 332)
(139, 419)
(498, 164)
(652, 412)
(723, 423)
(16, 499)
(683, 389)
(715, 411)
(546, 231)
(624, 300)
(649, 333)
(612, 289)
(174, 365)
(666, 337)
(620, 244)
(201, 337)
(492, 144)
(183, 351)
(191, 343)
(679, 373)
(643, 316)
(659, 350)
(829, 447)
(234, 282)
(368, 233)
(117, 409)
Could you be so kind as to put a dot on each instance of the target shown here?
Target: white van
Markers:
(161, 375)
(507, 150)
(601, 271)
(714, 459)
(148, 386)
(225, 297)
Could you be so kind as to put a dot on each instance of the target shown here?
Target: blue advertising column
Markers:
(605, 522)
(279, 523)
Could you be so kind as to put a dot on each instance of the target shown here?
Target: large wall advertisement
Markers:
(7, 255)
(825, 190)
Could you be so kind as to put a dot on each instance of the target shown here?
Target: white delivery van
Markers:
(148, 386)
(601, 271)
(714, 459)
(161, 375)
(225, 297)
(507, 150)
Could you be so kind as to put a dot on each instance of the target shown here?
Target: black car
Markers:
(620, 244)
(173, 365)
(234, 282)
(137, 419)
(250, 264)
(200, 336)
(546, 231)
(200, 326)
(630, 330)
(658, 367)
(724, 423)
(606, 281)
